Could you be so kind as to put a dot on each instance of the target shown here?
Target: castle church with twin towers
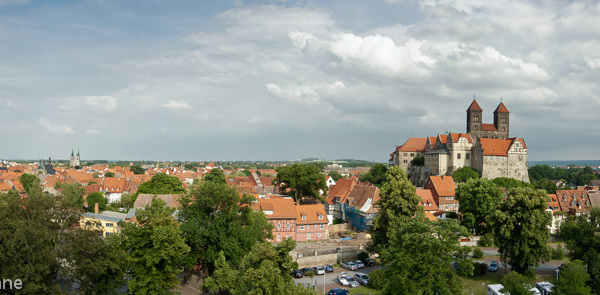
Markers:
(485, 147)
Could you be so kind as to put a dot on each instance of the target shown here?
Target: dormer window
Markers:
(303, 217)
(320, 216)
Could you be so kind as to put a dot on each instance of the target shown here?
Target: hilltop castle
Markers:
(486, 148)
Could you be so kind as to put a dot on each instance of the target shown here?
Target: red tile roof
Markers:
(498, 147)
(443, 185)
(501, 108)
(341, 189)
(414, 144)
(474, 106)
(572, 199)
(361, 194)
(427, 200)
(172, 201)
(282, 208)
(312, 213)
(488, 127)
(456, 136)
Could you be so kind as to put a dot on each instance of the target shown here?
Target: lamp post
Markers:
(557, 271)
(483, 284)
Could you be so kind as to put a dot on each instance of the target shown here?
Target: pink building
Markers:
(311, 222)
(281, 213)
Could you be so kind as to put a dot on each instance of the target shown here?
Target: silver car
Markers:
(361, 278)
(352, 282)
(319, 270)
(349, 265)
(359, 264)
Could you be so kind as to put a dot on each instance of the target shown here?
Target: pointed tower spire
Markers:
(72, 153)
(78, 152)
(474, 106)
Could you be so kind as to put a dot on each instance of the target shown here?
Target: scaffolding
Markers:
(360, 220)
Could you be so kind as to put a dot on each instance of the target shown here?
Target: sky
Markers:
(189, 80)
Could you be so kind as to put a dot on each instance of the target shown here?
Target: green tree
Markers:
(516, 284)
(137, 169)
(300, 181)
(96, 264)
(548, 185)
(29, 233)
(96, 197)
(573, 279)
(464, 263)
(398, 204)
(376, 175)
(161, 184)
(520, 227)
(505, 182)
(215, 175)
(28, 181)
(582, 237)
(156, 247)
(464, 173)
(335, 175)
(109, 174)
(72, 195)
(478, 199)
(419, 258)
(217, 219)
(264, 270)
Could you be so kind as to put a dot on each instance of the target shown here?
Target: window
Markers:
(278, 237)
(287, 236)
(321, 217)
(307, 226)
(278, 225)
(318, 235)
(302, 227)
(288, 225)
(412, 154)
(109, 234)
(467, 156)
(322, 226)
(405, 161)
(405, 154)
(458, 156)
(109, 224)
(303, 217)
(308, 236)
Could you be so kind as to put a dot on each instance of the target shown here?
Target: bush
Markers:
(377, 279)
(477, 253)
(486, 240)
(558, 253)
(480, 269)
(452, 215)
(363, 255)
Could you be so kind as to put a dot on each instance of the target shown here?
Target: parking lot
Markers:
(329, 279)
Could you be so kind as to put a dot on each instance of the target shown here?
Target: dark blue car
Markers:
(328, 268)
(338, 291)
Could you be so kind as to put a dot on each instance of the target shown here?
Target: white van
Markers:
(544, 287)
(494, 289)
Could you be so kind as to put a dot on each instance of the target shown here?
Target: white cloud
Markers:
(91, 131)
(176, 104)
(307, 93)
(107, 103)
(54, 128)
(12, 105)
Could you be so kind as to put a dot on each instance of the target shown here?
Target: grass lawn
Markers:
(364, 290)
(474, 285)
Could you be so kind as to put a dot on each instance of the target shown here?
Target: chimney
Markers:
(268, 195)
(96, 208)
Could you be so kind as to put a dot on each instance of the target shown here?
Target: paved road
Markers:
(329, 279)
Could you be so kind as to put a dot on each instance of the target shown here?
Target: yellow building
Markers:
(107, 221)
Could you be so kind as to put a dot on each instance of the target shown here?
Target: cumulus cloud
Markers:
(55, 128)
(176, 104)
(307, 93)
(107, 103)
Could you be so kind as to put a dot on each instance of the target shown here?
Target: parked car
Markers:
(359, 264)
(319, 270)
(349, 265)
(352, 282)
(369, 262)
(296, 273)
(328, 267)
(307, 271)
(493, 266)
(337, 291)
(343, 280)
(362, 278)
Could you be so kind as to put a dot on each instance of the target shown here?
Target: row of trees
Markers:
(216, 228)
(574, 175)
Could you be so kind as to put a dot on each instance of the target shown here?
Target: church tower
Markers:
(501, 120)
(474, 114)
(78, 160)
(72, 161)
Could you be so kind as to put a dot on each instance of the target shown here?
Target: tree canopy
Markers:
(28, 181)
(161, 184)
(398, 204)
(516, 284)
(215, 175)
(520, 227)
(335, 175)
(573, 279)
(582, 237)
(137, 169)
(156, 247)
(217, 219)
(300, 181)
(264, 270)
(478, 199)
(96, 197)
(376, 175)
(419, 258)
(465, 173)
(506, 182)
